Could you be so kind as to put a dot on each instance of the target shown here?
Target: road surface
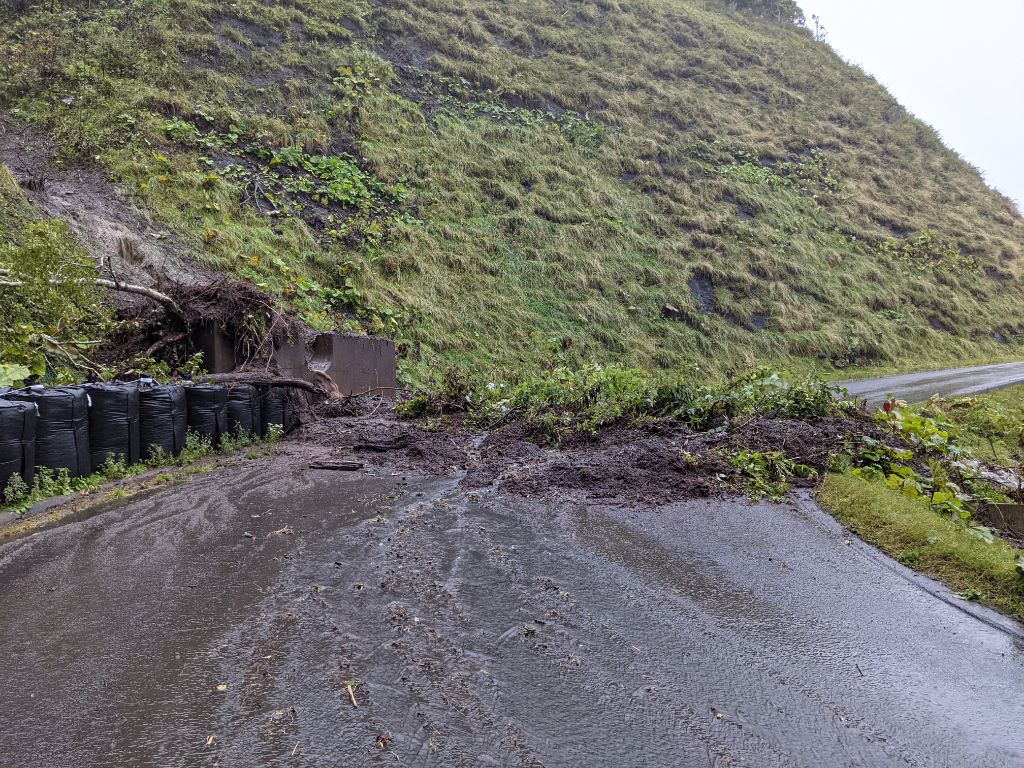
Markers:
(225, 622)
(918, 387)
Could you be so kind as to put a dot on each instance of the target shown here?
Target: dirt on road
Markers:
(466, 600)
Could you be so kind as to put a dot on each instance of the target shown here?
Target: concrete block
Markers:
(353, 363)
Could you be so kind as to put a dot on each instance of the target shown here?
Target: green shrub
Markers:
(583, 400)
(47, 292)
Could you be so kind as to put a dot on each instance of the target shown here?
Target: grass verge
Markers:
(19, 498)
(908, 530)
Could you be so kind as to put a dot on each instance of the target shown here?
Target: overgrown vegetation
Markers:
(989, 426)
(494, 183)
(566, 402)
(51, 312)
(768, 473)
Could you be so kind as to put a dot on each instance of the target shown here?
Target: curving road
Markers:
(918, 387)
(222, 623)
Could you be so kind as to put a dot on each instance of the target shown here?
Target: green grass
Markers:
(908, 530)
(571, 402)
(566, 171)
(990, 426)
(17, 497)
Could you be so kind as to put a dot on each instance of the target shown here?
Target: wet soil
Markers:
(656, 462)
(223, 622)
(126, 245)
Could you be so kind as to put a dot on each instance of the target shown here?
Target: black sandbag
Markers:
(113, 422)
(62, 428)
(244, 415)
(163, 418)
(274, 409)
(207, 406)
(17, 442)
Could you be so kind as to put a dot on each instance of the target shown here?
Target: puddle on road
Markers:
(472, 629)
(114, 620)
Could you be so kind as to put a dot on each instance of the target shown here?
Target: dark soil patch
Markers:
(658, 462)
(503, 454)
(805, 442)
(649, 469)
(704, 292)
(382, 440)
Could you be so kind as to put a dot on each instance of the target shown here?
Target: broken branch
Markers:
(259, 379)
(141, 290)
(165, 341)
(344, 465)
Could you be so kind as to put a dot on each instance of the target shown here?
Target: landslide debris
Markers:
(655, 462)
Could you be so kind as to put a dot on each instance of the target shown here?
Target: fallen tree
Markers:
(261, 380)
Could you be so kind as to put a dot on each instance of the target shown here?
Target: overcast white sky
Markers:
(959, 66)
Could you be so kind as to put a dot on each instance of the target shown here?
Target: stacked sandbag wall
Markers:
(17, 442)
(244, 412)
(78, 429)
(207, 406)
(114, 422)
(163, 418)
(275, 410)
(62, 427)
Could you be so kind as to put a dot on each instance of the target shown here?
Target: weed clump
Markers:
(49, 483)
(564, 402)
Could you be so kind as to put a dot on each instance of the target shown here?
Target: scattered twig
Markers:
(352, 695)
(374, 389)
(61, 348)
(164, 342)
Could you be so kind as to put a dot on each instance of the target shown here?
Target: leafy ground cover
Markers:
(677, 186)
(990, 426)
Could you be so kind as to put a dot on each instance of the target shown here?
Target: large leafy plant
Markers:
(50, 309)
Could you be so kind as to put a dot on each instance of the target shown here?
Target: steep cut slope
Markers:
(670, 184)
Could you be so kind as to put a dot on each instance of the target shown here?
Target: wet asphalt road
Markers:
(918, 387)
(220, 623)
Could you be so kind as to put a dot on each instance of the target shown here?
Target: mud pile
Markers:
(654, 463)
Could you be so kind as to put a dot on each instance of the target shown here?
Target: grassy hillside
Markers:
(666, 183)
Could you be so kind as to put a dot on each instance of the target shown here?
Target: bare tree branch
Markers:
(165, 341)
(141, 290)
(260, 379)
